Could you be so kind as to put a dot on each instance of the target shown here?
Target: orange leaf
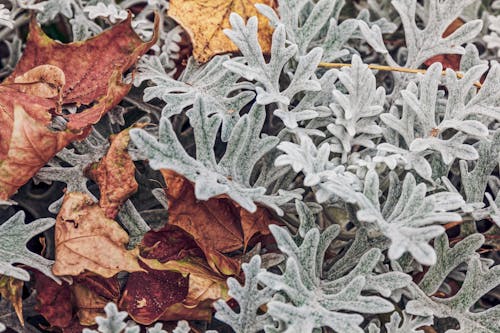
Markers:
(86, 240)
(205, 20)
(50, 74)
(115, 175)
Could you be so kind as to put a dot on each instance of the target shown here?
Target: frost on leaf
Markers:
(231, 175)
(205, 21)
(480, 278)
(253, 66)
(14, 234)
(250, 298)
(317, 302)
(212, 82)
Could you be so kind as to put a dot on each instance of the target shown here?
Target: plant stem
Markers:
(391, 69)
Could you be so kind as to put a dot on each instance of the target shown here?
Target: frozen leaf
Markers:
(479, 280)
(115, 175)
(14, 234)
(5, 18)
(250, 299)
(253, 66)
(205, 20)
(231, 175)
(86, 240)
(110, 11)
(213, 83)
(316, 302)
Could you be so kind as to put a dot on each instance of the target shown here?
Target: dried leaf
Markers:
(91, 294)
(205, 20)
(86, 240)
(50, 74)
(207, 220)
(54, 301)
(70, 307)
(114, 174)
(12, 289)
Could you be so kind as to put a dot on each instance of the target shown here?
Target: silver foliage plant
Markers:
(364, 169)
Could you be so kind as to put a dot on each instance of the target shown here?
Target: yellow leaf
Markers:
(205, 20)
(12, 289)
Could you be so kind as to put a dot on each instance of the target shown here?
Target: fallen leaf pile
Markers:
(51, 74)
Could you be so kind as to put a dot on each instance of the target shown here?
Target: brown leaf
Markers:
(86, 240)
(205, 20)
(50, 74)
(115, 175)
(91, 294)
(55, 302)
(70, 307)
(12, 289)
(207, 220)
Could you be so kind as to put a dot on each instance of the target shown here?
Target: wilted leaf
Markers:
(12, 289)
(114, 174)
(205, 20)
(86, 240)
(207, 220)
(50, 74)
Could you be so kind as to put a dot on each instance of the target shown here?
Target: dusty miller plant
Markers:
(387, 185)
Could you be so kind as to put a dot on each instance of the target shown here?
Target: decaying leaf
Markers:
(12, 289)
(207, 220)
(86, 240)
(71, 307)
(50, 74)
(91, 294)
(114, 174)
(205, 20)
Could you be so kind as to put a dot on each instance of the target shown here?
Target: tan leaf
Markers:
(115, 175)
(205, 20)
(86, 240)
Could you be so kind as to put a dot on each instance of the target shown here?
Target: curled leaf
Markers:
(50, 74)
(114, 174)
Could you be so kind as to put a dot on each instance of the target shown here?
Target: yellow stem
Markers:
(390, 69)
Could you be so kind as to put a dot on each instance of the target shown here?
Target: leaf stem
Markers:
(391, 69)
